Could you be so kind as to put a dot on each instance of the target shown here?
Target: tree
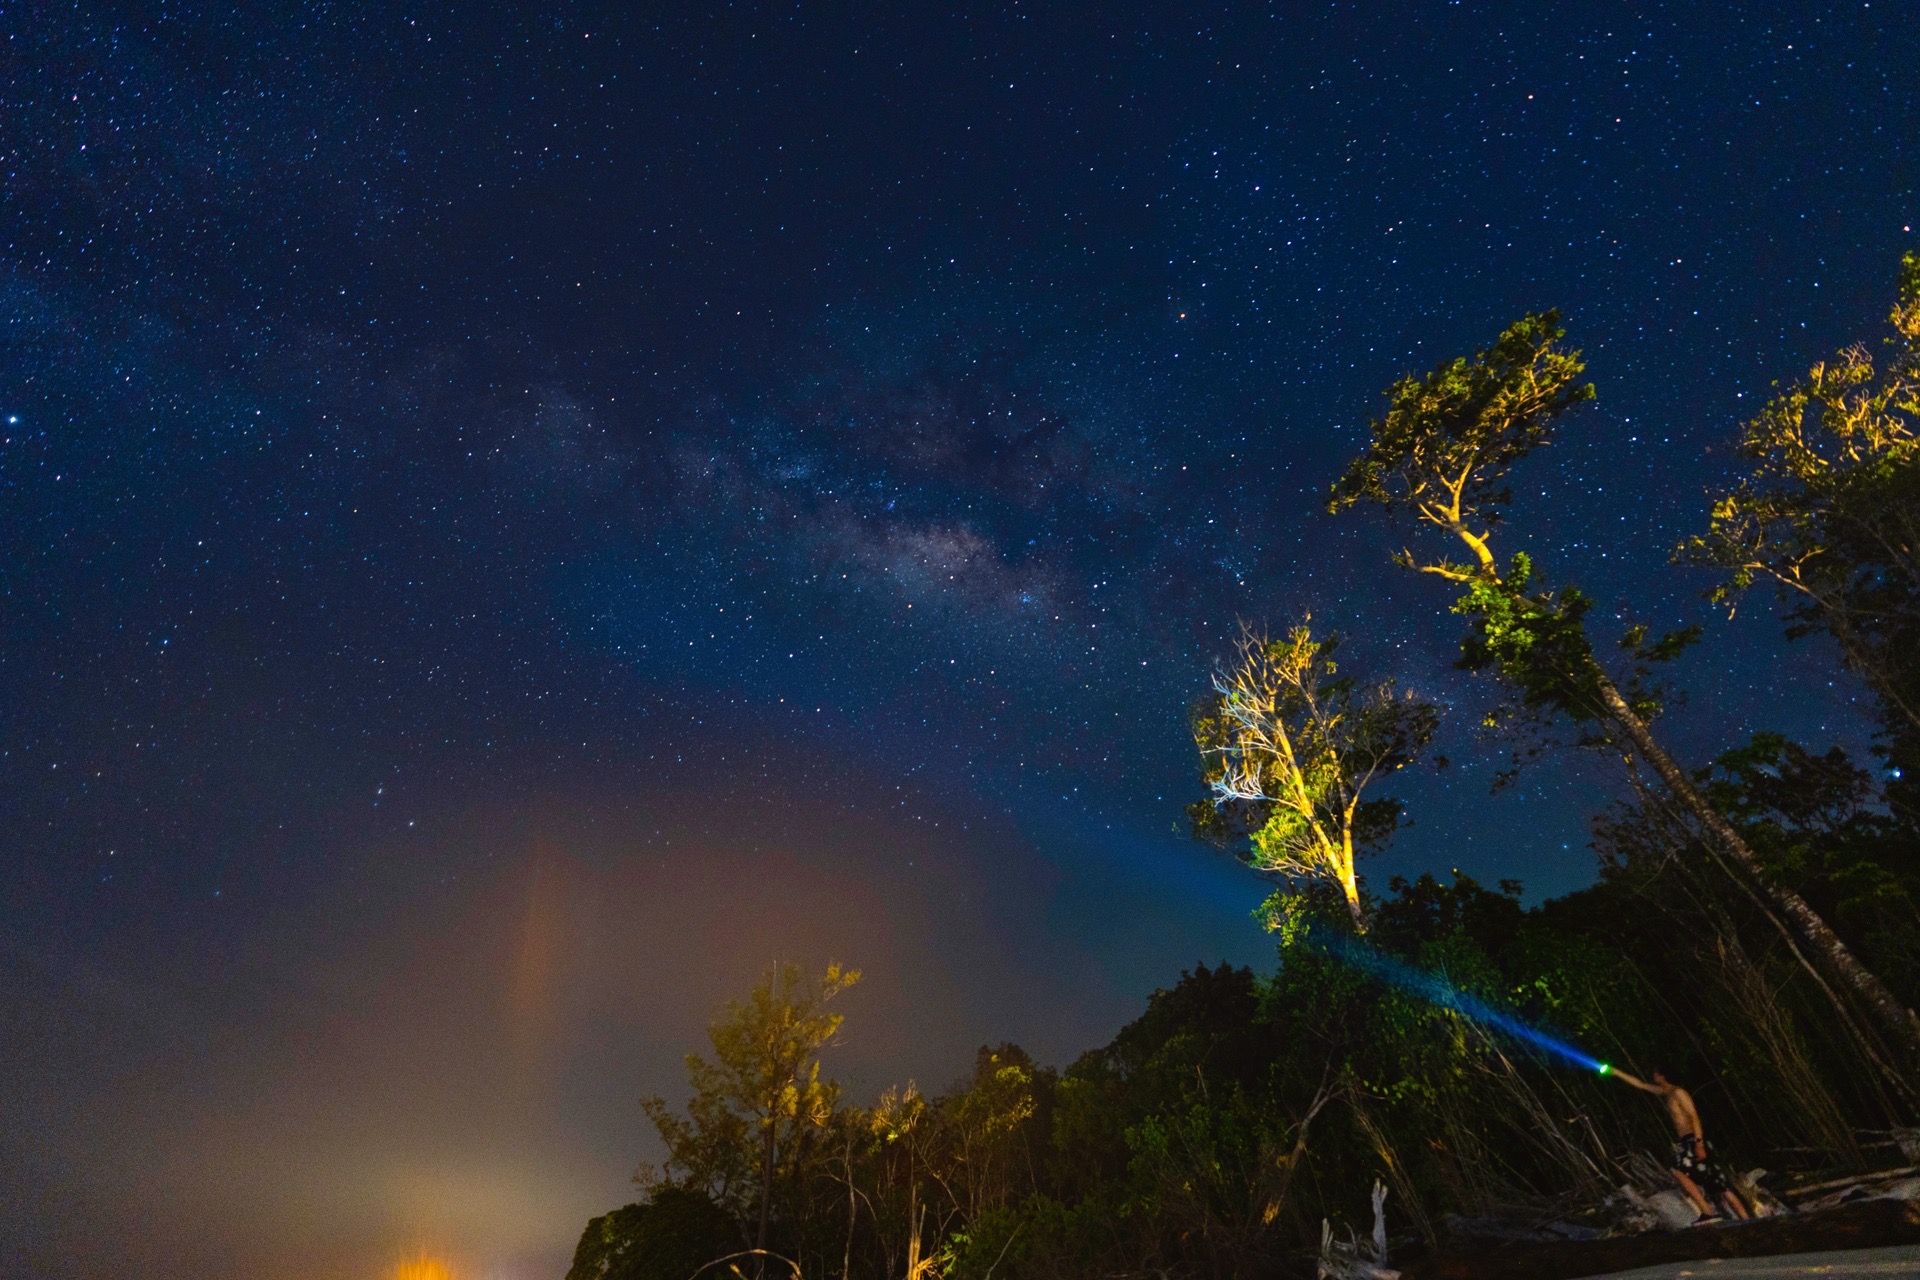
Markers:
(670, 1236)
(711, 1150)
(1443, 453)
(760, 1091)
(1813, 821)
(1290, 747)
(1829, 513)
(903, 1134)
(988, 1126)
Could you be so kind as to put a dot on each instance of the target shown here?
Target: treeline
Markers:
(1754, 932)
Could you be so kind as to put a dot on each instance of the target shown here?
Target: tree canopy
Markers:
(1289, 747)
(1827, 510)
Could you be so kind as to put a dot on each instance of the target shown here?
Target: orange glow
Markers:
(425, 1268)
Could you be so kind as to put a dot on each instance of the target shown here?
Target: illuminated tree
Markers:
(1290, 747)
(759, 1093)
(899, 1124)
(1829, 510)
(1443, 453)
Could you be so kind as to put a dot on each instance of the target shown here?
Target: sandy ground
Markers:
(1900, 1260)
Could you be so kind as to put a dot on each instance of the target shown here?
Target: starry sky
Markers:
(517, 516)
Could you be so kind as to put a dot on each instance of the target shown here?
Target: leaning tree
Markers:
(1443, 453)
(1827, 510)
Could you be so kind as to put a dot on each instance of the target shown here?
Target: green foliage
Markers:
(992, 1126)
(1536, 641)
(1423, 912)
(1443, 453)
(1041, 1237)
(710, 1150)
(759, 1099)
(1447, 440)
(765, 1050)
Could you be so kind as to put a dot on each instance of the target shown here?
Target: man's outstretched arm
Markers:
(1634, 1080)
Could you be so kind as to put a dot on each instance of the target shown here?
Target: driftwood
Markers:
(1857, 1180)
(1867, 1224)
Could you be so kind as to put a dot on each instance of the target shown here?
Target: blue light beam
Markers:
(1435, 989)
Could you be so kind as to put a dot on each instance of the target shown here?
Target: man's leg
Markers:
(1694, 1193)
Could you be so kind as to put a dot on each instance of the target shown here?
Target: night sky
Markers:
(515, 519)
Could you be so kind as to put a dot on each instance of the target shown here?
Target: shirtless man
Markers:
(1691, 1168)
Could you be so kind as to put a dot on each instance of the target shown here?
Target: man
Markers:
(1692, 1168)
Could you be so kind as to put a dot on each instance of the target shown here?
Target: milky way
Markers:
(473, 482)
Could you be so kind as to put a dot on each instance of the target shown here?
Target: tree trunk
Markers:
(1896, 1017)
(915, 1216)
(1350, 887)
(766, 1201)
(846, 1258)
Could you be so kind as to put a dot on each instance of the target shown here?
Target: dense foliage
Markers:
(1218, 1130)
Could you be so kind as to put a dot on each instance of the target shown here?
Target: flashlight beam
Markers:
(1437, 990)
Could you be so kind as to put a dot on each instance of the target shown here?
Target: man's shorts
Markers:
(1690, 1158)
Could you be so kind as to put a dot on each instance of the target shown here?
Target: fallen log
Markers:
(1866, 1224)
(1857, 1180)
